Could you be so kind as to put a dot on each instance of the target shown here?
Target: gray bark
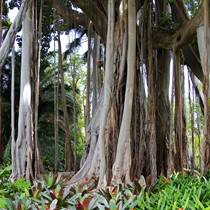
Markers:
(24, 144)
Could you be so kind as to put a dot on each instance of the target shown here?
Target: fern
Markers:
(22, 184)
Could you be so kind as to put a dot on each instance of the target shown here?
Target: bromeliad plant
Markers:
(49, 192)
(116, 197)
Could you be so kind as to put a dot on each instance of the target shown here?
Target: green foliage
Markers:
(180, 191)
(49, 192)
(166, 22)
(198, 129)
(10, 189)
(73, 66)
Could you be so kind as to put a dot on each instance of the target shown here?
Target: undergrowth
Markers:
(178, 192)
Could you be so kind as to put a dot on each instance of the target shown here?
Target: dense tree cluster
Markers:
(135, 114)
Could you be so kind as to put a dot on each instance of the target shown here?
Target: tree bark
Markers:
(36, 64)
(151, 97)
(87, 107)
(107, 91)
(75, 114)
(162, 110)
(24, 144)
(178, 113)
(192, 119)
(122, 163)
(185, 141)
(205, 163)
(13, 110)
(162, 102)
(95, 71)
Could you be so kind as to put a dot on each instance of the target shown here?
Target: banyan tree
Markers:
(134, 125)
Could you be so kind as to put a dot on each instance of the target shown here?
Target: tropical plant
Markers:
(11, 189)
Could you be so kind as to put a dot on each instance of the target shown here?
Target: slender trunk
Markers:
(87, 107)
(171, 145)
(56, 115)
(185, 142)
(13, 110)
(56, 120)
(178, 113)
(95, 71)
(75, 123)
(69, 153)
(107, 90)
(36, 90)
(198, 127)
(191, 104)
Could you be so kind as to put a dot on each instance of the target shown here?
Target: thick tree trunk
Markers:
(151, 132)
(162, 96)
(122, 163)
(203, 43)
(162, 111)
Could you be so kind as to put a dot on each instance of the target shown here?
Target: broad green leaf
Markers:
(3, 202)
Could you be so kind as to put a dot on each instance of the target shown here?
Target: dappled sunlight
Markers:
(27, 94)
